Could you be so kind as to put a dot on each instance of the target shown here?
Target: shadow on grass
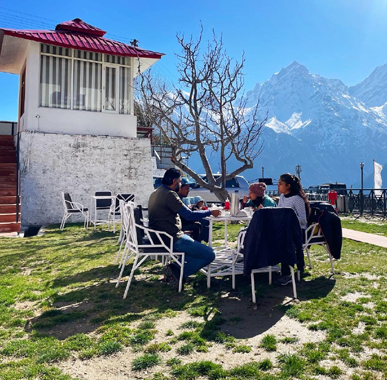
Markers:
(85, 309)
(245, 319)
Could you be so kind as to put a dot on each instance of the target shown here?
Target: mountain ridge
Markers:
(319, 123)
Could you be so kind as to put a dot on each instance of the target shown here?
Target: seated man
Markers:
(164, 210)
(188, 225)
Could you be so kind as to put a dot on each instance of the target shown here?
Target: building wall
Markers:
(80, 165)
(56, 120)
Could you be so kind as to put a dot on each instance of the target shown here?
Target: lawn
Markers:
(61, 316)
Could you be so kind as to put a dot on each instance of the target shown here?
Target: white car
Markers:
(237, 185)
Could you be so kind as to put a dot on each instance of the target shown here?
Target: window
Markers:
(83, 80)
(55, 82)
(87, 85)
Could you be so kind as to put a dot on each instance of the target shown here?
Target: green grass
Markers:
(58, 301)
(378, 227)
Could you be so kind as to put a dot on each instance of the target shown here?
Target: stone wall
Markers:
(79, 165)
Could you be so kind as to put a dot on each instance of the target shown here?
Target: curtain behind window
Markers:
(55, 82)
(125, 85)
(87, 86)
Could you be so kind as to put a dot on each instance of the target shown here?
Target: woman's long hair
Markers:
(296, 189)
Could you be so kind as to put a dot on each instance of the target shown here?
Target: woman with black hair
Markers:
(293, 196)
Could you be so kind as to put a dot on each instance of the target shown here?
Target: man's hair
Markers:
(170, 175)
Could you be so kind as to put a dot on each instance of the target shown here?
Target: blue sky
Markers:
(344, 39)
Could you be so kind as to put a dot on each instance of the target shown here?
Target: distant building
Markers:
(76, 127)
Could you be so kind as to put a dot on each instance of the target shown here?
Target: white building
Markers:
(76, 127)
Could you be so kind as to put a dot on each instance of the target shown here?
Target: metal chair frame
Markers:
(152, 244)
(315, 236)
(73, 208)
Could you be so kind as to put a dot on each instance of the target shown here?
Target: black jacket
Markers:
(274, 236)
(325, 215)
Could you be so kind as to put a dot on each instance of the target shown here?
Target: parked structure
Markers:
(76, 127)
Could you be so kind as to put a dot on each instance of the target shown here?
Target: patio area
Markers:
(63, 318)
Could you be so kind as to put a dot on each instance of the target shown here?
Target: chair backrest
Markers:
(67, 201)
(103, 203)
(241, 240)
(123, 197)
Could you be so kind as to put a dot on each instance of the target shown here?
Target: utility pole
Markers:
(263, 172)
(298, 171)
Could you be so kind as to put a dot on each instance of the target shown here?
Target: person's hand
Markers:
(260, 206)
(245, 198)
(215, 213)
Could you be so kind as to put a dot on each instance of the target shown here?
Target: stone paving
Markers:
(365, 237)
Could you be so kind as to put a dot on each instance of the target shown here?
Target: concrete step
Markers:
(7, 138)
(7, 218)
(7, 153)
(8, 200)
(7, 147)
(7, 160)
(8, 209)
(6, 192)
(8, 179)
(7, 172)
(7, 185)
(8, 165)
(9, 227)
(6, 142)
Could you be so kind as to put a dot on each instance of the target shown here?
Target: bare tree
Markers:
(207, 113)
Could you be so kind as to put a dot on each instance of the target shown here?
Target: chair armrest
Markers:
(158, 233)
(76, 205)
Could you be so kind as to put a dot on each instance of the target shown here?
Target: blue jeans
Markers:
(197, 255)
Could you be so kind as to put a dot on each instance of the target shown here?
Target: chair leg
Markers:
(65, 217)
(270, 275)
(130, 277)
(209, 276)
(181, 272)
(63, 222)
(308, 254)
(253, 288)
(293, 282)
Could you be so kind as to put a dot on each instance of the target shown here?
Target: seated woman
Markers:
(293, 195)
(257, 197)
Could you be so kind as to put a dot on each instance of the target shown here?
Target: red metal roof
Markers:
(77, 34)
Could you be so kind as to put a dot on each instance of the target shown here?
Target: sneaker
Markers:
(284, 280)
(172, 276)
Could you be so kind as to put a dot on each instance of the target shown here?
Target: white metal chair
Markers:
(102, 203)
(73, 208)
(314, 236)
(142, 242)
(268, 269)
(115, 210)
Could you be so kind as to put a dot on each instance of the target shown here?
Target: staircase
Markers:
(8, 185)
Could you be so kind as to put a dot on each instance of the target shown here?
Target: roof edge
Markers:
(20, 34)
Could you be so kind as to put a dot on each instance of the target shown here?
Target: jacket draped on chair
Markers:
(274, 236)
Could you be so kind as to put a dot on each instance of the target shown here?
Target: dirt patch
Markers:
(244, 321)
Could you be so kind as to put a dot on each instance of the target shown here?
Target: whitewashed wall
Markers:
(80, 165)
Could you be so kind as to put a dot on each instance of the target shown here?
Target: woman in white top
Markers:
(292, 195)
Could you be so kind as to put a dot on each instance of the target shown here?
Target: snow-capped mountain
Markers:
(372, 91)
(320, 124)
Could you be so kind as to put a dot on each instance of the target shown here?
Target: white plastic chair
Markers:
(73, 208)
(314, 236)
(142, 242)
